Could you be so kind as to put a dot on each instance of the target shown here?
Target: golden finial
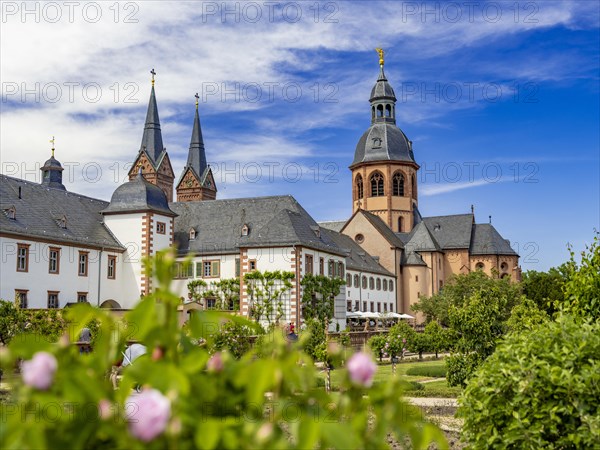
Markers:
(197, 97)
(52, 142)
(153, 73)
(380, 52)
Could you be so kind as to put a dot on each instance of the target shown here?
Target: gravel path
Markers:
(428, 401)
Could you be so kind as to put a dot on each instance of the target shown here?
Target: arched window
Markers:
(349, 280)
(364, 282)
(340, 269)
(479, 266)
(356, 281)
(391, 285)
(377, 185)
(388, 111)
(359, 186)
(504, 267)
(371, 283)
(398, 184)
(400, 224)
(384, 284)
(378, 284)
(373, 112)
(379, 110)
(414, 187)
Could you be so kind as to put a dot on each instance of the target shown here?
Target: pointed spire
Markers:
(152, 138)
(196, 155)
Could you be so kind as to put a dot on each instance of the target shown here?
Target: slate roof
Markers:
(356, 258)
(335, 225)
(451, 232)
(383, 142)
(273, 221)
(39, 210)
(412, 259)
(382, 88)
(152, 142)
(421, 240)
(138, 195)
(487, 241)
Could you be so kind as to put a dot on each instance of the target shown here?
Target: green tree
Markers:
(458, 291)
(399, 339)
(526, 316)
(436, 336)
(582, 289)
(318, 296)
(478, 323)
(11, 321)
(545, 288)
(377, 345)
(419, 344)
(538, 390)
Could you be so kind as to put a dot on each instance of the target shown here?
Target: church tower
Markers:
(196, 182)
(384, 170)
(152, 157)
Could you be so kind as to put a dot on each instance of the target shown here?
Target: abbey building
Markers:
(61, 247)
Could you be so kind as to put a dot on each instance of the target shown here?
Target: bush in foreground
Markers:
(538, 390)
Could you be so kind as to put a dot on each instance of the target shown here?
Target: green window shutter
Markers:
(214, 270)
(237, 267)
(198, 270)
(190, 270)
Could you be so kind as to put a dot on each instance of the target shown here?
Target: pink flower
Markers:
(148, 413)
(39, 370)
(215, 363)
(105, 409)
(361, 368)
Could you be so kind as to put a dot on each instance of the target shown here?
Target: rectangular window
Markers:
(252, 265)
(372, 307)
(82, 297)
(183, 271)
(22, 257)
(364, 306)
(330, 269)
(161, 227)
(308, 260)
(357, 305)
(391, 307)
(112, 267)
(349, 305)
(211, 269)
(237, 267)
(321, 266)
(378, 307)
(52, 299)
(416, 277)
(83, 264)
(54, 260)
(385, 307)
(211, 303)
(198, 270)
(21, 297)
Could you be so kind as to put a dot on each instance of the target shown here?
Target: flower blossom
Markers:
(39, 371)
(361, 368)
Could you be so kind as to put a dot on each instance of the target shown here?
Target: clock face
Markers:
(189, 183)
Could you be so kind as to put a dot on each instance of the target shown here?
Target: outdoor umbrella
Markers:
(133, 352)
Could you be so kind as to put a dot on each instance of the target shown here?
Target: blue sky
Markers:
(503, 108)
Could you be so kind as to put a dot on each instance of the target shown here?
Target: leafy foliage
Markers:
(234, 337)
(525, 317)
(266, 292)
(582, 289)
(318, 296)
(399, 338)
(546, 288)
(377, 344)
(460, 288)
(538, 390)
(437, 371)
(48, 323)
(211, 405)
(438, 338)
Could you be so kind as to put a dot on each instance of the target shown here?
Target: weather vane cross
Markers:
(197, 97)
(52, 142)
(153, 73)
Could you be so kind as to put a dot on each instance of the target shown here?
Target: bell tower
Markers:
(384, 170)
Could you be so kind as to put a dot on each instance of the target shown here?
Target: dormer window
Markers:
(245, 230)
(192, 234)
(11, 213)
(62, 222)
(317, 230)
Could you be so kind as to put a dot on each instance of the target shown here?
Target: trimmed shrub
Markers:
(538, 390)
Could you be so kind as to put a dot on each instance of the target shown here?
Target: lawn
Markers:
(437, 387)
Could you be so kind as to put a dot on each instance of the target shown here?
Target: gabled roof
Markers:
(383, 229)
(356, 258)
(421, 240)
(39, 206)
(272, 221)
(487, 241)
(451, 232)
(412, 259)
